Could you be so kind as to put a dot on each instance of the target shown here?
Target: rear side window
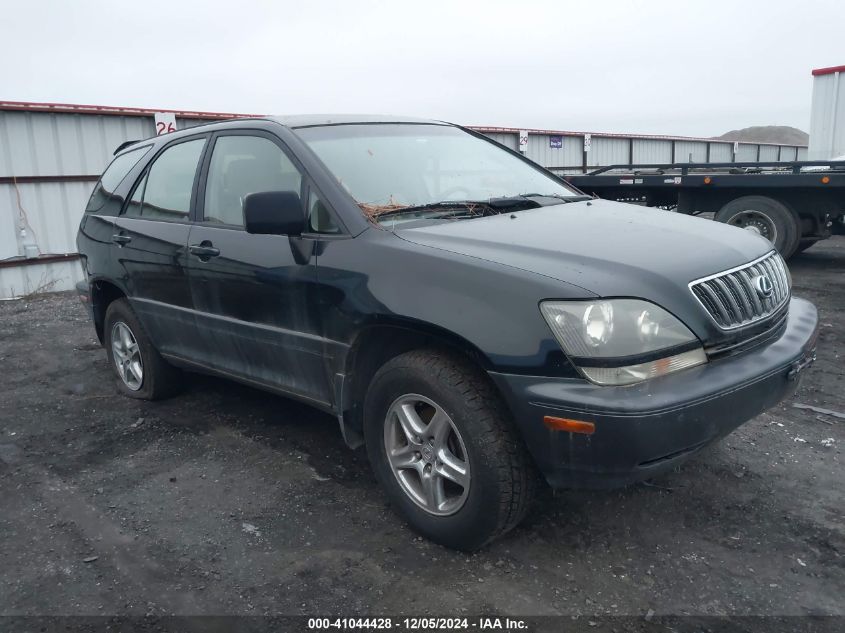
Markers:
(113, 176)
(241, 165)
(164, 192)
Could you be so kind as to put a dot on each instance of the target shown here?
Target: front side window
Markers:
(241, 165)
(393, 166)
(165, 191)
(320, 220)
(113, 176)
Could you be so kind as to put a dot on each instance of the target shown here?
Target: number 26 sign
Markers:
(165, 123)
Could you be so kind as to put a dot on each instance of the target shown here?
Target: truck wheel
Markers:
(140, 370)
(766, 217)
(444, 450)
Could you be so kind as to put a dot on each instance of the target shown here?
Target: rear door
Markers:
(253, 294)
(151, 236)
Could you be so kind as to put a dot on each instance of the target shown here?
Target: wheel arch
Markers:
(373, 346)
(103, 294)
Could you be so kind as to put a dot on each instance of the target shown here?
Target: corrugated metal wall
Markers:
(768, 152)
(607, 151)
(41, 218)
(690, 152)
(58, 154)
(652, 151)
(721, 152)
(614, 150)
(827, 115)
(40, 144)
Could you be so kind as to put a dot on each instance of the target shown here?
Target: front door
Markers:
(253, 293)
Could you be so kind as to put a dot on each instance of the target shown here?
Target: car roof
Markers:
(292, 121)
(311, 120)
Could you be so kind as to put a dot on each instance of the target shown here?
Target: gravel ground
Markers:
(226, 500)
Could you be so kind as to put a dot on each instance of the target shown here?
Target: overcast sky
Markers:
(660, 67)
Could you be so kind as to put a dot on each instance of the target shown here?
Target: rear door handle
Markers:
(120, 239)
(204, 250)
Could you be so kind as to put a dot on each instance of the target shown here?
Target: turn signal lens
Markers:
(631, 374)
(707, 180)
(565, 424)
(825, 180)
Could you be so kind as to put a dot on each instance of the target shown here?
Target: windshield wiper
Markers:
(491, 205)
(444, 204)
(557, 196)
(453, 205)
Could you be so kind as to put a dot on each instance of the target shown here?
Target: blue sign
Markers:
(555, 142)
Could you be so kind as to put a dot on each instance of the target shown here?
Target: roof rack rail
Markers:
(123, 146)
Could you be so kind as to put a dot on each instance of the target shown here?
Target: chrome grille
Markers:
(732, 298)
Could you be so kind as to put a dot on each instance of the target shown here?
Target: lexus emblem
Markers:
(763, 286)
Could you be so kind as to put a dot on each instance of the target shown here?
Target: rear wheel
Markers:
(766, 217)
(444, 450)
(140, 370)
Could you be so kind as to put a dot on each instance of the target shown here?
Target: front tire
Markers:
(443, 448)
(139, 369)
(764, 216)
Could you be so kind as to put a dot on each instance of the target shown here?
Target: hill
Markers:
(767, 134)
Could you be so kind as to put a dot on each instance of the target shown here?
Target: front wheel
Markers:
(444, 450)
(766, 217)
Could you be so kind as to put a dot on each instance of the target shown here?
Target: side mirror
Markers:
(273, 213)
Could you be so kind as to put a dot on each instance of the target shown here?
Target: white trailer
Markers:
(827, 119)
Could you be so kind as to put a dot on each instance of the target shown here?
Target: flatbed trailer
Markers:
(793, 204)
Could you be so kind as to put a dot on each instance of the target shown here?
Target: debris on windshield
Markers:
(372, 211)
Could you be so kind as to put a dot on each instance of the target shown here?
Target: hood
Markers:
(609, 248)
(602, 246)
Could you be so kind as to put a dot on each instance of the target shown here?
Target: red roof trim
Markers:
(74, 108)
(828, 71)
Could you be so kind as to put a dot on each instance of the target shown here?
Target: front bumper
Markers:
(645, 429)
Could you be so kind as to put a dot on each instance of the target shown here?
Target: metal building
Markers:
(574, 152)
(827, 116)
(52, 154)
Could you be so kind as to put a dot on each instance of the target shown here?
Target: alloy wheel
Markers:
(427, 455)
(127, 356)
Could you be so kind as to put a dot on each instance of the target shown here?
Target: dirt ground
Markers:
(226, 500)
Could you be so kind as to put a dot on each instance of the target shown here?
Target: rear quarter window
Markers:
(113, 176)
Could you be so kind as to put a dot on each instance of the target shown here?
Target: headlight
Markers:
(622, 341)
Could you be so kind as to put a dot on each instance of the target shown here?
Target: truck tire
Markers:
(443, 448)
(765, 216)
(140, 371)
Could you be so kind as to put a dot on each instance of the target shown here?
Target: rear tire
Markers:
(765, 216)
(500, 478)
(140, 371)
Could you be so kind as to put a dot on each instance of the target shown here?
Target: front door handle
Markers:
(120, 239)
(204, 250)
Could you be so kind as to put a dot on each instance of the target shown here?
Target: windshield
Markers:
(388, 167)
